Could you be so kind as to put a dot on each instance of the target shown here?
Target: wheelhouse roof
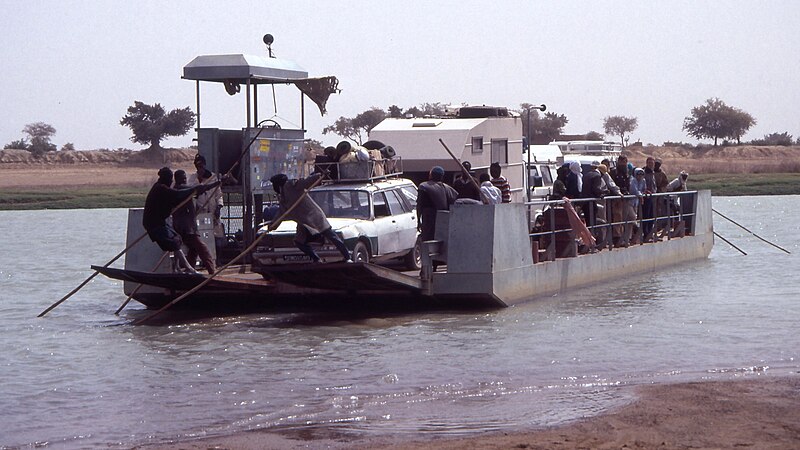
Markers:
(239, 68)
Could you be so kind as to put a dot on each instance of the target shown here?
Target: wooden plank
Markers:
(345, 277)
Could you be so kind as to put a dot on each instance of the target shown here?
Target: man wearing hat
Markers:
(678, 184)
(433, 195)
(311, 220)
(210, 201)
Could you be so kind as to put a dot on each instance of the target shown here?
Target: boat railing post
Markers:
(639, 217)
(589, 206)
(551, 246)
(608, 218)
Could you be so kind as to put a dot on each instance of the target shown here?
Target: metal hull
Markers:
(233, 291)
(488, 264)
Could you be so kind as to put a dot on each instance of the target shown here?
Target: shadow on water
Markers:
(310, 312)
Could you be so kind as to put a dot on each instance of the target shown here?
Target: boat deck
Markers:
(352, 278)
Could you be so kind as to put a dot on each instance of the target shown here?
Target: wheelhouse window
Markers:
(477, 144)
(500, 151)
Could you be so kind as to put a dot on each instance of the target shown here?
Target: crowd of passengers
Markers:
(604, 182)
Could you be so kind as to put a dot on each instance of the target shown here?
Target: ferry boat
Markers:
(487, 255)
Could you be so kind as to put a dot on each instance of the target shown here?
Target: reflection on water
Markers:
(82, 377)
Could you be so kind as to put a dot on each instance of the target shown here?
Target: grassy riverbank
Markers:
(725, 184)
(73, 197)
(77, 197)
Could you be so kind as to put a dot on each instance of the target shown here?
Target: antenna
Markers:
(268, 39)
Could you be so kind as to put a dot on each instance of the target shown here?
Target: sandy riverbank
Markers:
(758, 412)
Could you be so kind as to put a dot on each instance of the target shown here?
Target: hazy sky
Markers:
(78, 65)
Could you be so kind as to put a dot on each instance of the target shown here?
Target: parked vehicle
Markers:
(588, 152)
(376, 219)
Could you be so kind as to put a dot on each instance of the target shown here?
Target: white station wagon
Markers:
(376, 220)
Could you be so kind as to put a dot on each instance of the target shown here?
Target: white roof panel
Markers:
(240, 67)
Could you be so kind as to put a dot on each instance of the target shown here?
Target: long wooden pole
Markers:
(72, 292)
(94, 274)
(139, 286)
(463, 169)
(271, 227)
(745, 229)
(729, 243)
(119, 255)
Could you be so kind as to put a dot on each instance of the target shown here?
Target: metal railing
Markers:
(612, 221)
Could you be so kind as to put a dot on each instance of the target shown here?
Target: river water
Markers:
(83, 378)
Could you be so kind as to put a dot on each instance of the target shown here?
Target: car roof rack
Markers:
(361, 171)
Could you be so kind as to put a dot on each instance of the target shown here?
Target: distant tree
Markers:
(40, 134)
(315, 145)
(358, 127)
(68, 147)
(433, 109)
(413, 112)
(19, 144)
(620, 126)
(740, 122)
(716, 120)
(545, 127)
(150, 124)
(395, 112)
(524, 110)
(344, 128)
(594, 136)
(550, 126)
(784, 139)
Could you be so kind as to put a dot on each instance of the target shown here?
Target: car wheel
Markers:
(360, 253)
(413, 259)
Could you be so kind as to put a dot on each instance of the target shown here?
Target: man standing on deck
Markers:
(311, 220)
(160, 202)
(648, 205)
(621, 176)
(433, 195)
(184, 221)
(500, 182)
(211, 200)
(465, 187)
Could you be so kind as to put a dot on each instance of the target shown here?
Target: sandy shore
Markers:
(70, 177)
(759, 412)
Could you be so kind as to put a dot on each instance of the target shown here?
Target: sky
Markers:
(79, 65)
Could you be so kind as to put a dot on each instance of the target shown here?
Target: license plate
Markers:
(297, 258)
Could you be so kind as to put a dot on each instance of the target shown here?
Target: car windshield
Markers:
(344, 204)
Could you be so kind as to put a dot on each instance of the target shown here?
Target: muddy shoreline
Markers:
(757, 411)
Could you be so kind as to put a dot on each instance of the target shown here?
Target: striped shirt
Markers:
(505, 188)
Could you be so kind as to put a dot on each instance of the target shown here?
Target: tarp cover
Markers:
(318, 90)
